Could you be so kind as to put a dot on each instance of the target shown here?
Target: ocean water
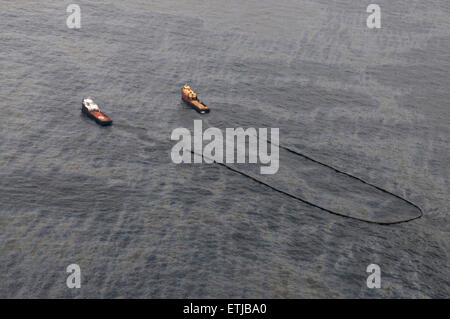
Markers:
(371, 102)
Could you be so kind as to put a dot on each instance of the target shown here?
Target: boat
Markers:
(93, 111)
(190, 97)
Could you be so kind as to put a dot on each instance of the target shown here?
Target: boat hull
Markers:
(98, 117)
(196, 105)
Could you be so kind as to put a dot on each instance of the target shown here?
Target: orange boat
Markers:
(190, 97)
(92, 110)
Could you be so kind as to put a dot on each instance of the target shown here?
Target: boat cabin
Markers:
(90, 105)
(190, 93)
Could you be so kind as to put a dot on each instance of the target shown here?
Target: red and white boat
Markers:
(93, 111)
